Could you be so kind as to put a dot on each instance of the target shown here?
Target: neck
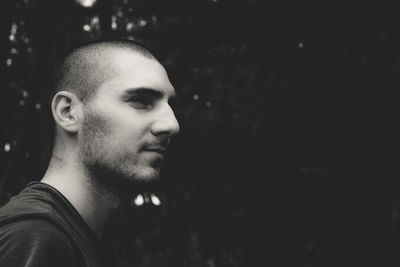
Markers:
(94, 204)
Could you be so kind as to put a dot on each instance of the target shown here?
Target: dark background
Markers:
(289, 147)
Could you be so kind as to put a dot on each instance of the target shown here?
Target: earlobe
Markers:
(65, 109)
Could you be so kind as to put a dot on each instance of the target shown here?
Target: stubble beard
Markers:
(105, 169)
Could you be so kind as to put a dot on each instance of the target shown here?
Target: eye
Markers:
(142, 102)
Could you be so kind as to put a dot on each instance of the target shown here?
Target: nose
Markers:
(165, 123)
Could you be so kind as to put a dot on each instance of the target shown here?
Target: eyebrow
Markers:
(144, 91)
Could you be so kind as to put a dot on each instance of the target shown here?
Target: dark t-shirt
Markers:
(39, 227)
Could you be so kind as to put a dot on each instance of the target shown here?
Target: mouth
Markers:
(156, 149)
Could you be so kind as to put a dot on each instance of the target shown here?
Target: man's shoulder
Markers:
(24, 205)
(35, 240)
(32, 226)
(26, 220)
(33, 214)
(37, 229)
(40, 215)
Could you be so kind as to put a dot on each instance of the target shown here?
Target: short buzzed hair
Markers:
(78, 70)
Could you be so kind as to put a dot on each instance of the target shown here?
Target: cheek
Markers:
(97, 132)
(128, 129)
(96, 123)
(120, 126)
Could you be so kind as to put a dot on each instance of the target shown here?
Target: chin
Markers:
(124, 179)
(145, 175)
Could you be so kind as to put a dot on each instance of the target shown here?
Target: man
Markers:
(113, 125)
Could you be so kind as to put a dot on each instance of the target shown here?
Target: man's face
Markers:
(128, 122)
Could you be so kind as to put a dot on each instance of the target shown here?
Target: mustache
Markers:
(159, 145)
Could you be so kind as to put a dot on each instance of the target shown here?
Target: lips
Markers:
(159, 146)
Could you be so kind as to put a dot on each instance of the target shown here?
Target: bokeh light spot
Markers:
(7, 147)
(142, 22)
(139, 200)
(86, 3)
(129, 26)
(86, 28)
(95, 20)
(155, 200)
(114, 22)
(9, 62)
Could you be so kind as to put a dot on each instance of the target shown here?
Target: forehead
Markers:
(125, 70)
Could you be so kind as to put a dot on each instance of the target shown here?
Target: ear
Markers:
(67, 110)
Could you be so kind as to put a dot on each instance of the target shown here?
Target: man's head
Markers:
(112, 112)
(84, 68)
